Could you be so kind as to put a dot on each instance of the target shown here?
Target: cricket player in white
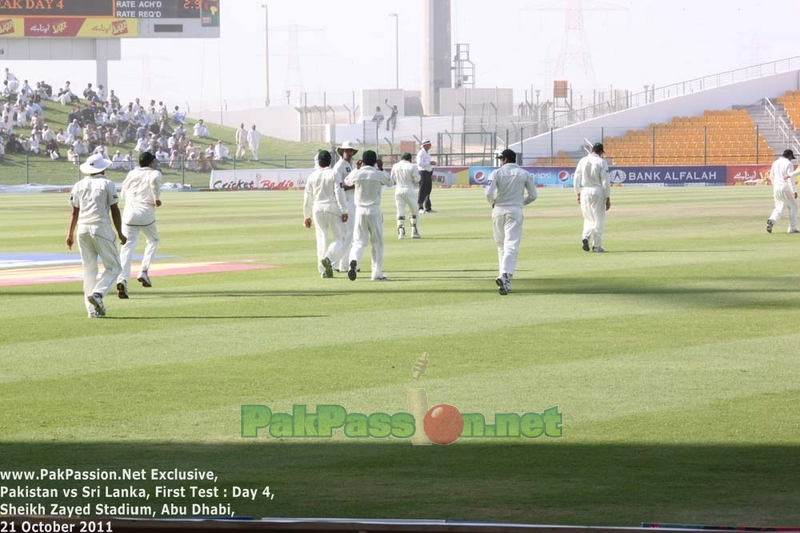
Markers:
(141, 192)
(324, 201)
(92, 199)
(405, 176)
(783, 190)
(343, 168)
(593, 189)
(506, 192)
(368, 182)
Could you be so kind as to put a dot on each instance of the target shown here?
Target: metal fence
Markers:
(18, 169)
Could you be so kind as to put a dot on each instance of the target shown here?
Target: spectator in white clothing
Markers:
(201, 130)
(253, 140)
(221, 152)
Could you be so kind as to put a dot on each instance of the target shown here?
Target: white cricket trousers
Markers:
(241, 150)
(406, 198)
(593, 207)
(93, 241)
(507, 227)
(126, 254)
(369, 227)
(349, 229)
(327, 223)
(785, 198)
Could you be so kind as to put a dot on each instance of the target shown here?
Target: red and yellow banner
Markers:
(94, 27)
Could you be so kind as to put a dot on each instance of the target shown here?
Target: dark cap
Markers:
(788, 154)
(598, 148)
(145, 159)
(406, 156)
(324, 158)
(507, 154)
(369, 157)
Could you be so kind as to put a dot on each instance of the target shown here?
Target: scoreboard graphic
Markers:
(103, 18)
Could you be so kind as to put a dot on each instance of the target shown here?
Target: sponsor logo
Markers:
(60, 27)
(119, 27)
(480, 176)
(563, 176)
(618, 176)
(6, 26)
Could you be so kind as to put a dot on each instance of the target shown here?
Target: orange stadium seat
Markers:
(719, 136)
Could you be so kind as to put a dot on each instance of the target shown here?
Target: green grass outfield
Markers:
(673, 358)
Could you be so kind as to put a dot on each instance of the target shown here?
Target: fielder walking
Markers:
(368, 182)
(343, 168)
(406, 177)
(506, 192)
(325, 203)
(141, 192)
(783, 191)
(593, 189)
(92, 199)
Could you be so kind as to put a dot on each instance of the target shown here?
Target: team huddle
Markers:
(509, 189)
(345, 206)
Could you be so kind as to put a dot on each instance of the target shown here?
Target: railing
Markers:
(668, 92)
(778, 122)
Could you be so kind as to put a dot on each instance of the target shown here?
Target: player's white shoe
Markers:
(96, 300)
(326, 264)
(401, 233)
(502, 285)
(416, 235)
(598, 249)
(144, 279)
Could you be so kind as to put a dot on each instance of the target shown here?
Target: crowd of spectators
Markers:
(99, 124)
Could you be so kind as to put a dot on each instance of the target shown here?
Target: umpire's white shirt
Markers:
(424, 160)
(324, 193)
(140, 190)
(592, 173)
(368, 182)
(405, 175)
(506, 189)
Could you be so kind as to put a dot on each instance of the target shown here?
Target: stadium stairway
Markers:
(763, 121)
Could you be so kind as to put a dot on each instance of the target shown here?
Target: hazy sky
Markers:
(349, 45)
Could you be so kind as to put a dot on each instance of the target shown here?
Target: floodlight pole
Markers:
(396, 49)
(266, 50)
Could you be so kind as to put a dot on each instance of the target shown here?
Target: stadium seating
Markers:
(791, 103)
(719, 137)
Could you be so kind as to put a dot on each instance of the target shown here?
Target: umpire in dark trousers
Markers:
(425, 166)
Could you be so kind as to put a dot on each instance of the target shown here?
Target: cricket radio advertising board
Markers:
(440, 424)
